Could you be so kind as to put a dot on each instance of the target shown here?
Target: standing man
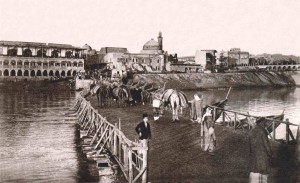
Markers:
(157, 105)
(208, 140)
(260, 153)
(143, 130)
(196, 108)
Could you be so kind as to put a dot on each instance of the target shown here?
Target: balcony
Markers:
(51, 67)
(44, 57)
(48, 59)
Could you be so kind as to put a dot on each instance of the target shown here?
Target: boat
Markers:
(268, 121)
(220, 106)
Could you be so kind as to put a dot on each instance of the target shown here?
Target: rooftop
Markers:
(105, 50)
(37, 44)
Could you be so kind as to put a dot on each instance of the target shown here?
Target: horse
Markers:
(121, 95)
(177, 100)
(146, 97)
(103, 95)
(136, 95)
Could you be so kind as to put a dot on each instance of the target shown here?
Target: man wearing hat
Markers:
(143, 130)
(260, 152)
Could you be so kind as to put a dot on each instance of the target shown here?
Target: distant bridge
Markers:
(280, 67)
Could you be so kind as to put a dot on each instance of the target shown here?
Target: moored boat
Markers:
(219, 107)
(268, 121)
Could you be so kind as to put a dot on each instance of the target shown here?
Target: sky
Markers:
(257, 26)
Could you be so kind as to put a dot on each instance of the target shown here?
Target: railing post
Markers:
(120, 144)
(214, 115)
(145, 163)
(115, 140)
(234, 120)
(125, 157)
(223, 117)
(287, 131)
(274, 133)
(130, 169)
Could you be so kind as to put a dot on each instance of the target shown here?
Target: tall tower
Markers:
(160, 41)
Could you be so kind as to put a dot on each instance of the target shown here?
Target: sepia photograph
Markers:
(157, 91)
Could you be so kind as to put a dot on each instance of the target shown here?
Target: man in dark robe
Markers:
(260, 153)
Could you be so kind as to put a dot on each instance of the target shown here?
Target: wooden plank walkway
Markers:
(174, 150)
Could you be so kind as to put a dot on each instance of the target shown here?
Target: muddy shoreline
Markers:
(203, 81)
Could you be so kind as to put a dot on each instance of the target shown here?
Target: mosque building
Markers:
(150, 59)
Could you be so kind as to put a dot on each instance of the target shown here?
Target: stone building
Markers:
(238, 57)
(186, 68)
(187, 59)
(206, 58)
(40, 60)
(150, 59)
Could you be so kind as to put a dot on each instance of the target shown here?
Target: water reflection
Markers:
(37, 137)
(260, 102)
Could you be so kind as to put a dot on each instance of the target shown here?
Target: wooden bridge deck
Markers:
(174, 150)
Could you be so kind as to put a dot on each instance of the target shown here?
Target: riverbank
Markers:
(11, 83)
(192, 81)
(296, 77)
(175, 154)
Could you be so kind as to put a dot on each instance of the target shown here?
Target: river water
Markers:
(37, 129)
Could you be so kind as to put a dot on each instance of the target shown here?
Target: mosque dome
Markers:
(87, 47)
(151, 45)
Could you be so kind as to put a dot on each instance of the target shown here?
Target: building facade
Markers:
(186, 59)
(150, 59)
(238, 57)
(206, 58)
(31, 59)
(185, 68)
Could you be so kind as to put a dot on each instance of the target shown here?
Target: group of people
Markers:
(259, 145)
(208, 137)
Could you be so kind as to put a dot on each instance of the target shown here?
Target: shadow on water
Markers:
(86, 170)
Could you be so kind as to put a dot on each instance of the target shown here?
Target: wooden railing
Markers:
(238, 120)
(132, 157)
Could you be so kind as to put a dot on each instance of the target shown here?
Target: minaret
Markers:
(160, 41)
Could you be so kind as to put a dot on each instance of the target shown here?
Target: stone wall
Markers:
(217, 80)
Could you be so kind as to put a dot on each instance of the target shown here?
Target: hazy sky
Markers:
(265, 26)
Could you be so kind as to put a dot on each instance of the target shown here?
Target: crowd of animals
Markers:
(113, 93)
(118, 94)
